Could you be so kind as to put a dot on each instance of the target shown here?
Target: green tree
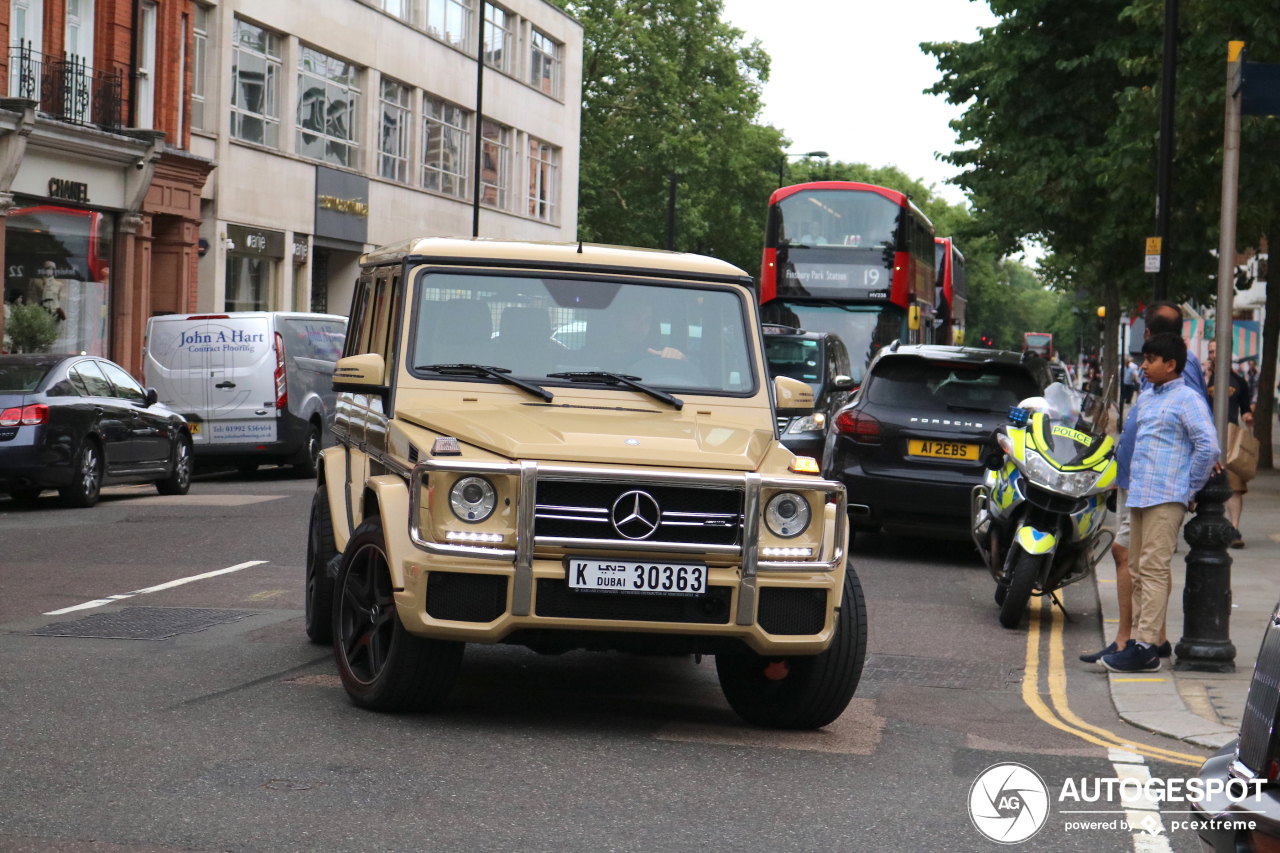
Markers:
(31, 328)
(670, 87)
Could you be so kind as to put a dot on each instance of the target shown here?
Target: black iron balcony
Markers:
(66, 88)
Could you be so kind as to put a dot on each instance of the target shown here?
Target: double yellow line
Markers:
(1061, 716)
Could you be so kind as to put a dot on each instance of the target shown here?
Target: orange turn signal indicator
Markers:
(804, 465)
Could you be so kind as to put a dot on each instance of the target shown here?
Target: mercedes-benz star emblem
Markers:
(635, 515)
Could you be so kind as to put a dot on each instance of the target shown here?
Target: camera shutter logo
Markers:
(1008, 803)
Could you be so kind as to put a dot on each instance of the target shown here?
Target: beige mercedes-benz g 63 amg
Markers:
(569, 446)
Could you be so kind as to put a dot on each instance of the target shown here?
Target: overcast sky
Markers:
(848, 77)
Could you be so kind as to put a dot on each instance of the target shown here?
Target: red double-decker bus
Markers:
(953, 293)
(849, 258)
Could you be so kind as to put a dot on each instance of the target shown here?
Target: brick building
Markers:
(99, 191)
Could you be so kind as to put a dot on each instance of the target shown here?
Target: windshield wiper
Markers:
(502, 374)
(619, 379)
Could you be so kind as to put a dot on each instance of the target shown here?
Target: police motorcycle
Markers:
(1039, 512)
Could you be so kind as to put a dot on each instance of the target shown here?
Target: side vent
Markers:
(413, 454)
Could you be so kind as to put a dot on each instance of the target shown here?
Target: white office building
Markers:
(340, 125)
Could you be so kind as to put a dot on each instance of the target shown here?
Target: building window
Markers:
(544, 180)
(248, 283)
(402, 9)
(450, 21)
(145, 70)
(255, 85)
(200, 52)
(445, 131)
(544, 63)
(57, 265)
(495, 164)
(328, 108)
(499, 27)
(393, 143)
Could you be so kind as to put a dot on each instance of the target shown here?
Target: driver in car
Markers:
(637, 329)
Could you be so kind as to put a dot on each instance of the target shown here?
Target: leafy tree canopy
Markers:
(668, 86)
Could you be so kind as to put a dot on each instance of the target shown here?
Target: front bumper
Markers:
(1224, 826)
(748, 590)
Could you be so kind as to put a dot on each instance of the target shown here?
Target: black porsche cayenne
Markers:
(913, 443)
(77, 423)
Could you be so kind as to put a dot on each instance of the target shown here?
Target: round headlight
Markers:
(787, 515)
(473, 499)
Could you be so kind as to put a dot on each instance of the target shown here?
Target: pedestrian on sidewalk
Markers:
(1239, 409)
(1175, 452)
(1160, 318)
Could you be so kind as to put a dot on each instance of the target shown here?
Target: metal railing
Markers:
(66, 87)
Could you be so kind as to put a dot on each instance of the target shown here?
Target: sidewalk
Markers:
(1199, 707)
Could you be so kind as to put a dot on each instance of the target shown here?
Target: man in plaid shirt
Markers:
(1175, 453)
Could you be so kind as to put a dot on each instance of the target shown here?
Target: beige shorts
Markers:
(1122, 518)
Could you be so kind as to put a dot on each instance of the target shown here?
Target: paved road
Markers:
(239, 737)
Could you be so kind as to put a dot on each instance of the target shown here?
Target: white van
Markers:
(256, 386)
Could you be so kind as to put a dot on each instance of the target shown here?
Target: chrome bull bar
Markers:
(530, 472)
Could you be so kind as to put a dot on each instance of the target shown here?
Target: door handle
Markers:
(225, 385)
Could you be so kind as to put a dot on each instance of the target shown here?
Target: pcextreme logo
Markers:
(1008, 803)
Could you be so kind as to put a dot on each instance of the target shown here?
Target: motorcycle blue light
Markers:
(1019, 416)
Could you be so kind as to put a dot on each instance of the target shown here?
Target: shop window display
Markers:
(59, 259)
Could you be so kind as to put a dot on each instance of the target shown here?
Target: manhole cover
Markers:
(939, 672)
(141, 623)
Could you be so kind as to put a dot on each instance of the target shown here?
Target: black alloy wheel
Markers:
(1021, 571)
(801, 691)
(86, 488)
(321, 550)
(383, 667)
(179, 480)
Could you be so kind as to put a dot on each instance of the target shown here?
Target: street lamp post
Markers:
(782, 162)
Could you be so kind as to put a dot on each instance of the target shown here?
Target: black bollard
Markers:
(1206, 598)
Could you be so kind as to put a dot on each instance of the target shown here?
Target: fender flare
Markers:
(392, 495)
(333, 467)
(1036, 542)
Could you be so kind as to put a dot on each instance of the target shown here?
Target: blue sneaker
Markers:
(1164, 650)
(1134, 658)
(1095, 656)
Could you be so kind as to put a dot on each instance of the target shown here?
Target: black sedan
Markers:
(914, 441)
(77, 423)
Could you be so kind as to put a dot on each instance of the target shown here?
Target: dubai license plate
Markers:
(942, 449)
(644, 578)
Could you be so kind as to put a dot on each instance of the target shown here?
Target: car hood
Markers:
(616, 431)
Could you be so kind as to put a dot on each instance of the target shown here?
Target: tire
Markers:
(1002, 592)
(321, 549)
(815, 689)
(85, 490)
(382, 666)
(1022, 579)
(179, 480)
(308, 463)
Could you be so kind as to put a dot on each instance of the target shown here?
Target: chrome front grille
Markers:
(591, 510)
(783, 423)
(1264, 699)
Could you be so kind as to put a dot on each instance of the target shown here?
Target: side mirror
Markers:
(795, 398)
(360, 374)
(152, 397)
(842, 382)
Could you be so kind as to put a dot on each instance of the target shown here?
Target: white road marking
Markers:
(99, 602)
(1141, 812)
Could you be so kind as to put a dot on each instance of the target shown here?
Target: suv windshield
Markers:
(795, 357)
(913, 382)
(687, 338)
